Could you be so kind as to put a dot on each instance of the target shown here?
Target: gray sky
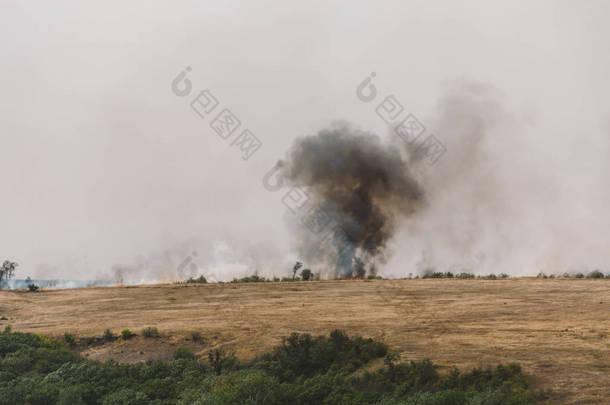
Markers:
(102, 165)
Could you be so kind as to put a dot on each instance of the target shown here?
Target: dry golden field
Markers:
(557, 329)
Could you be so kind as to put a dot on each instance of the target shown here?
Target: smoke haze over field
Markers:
(106, 173)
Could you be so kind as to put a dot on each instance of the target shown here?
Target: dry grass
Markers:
(559, 330)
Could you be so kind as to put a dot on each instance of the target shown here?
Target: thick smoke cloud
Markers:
(364, 186)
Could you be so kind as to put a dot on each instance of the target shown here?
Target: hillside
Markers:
(558, 330)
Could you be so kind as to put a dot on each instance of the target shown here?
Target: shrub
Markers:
(503, 275)
(33, 288)
(70, 397)
(595, 274)
(183, 353)
(306, 274)
(220, 361)
(304, 355)
(579, 275)
(465, 275)
(198, 280)
(304, 370)
(108, 335)
(69, 339)
(150, 332)
(195, 336)
(255, 278)
(439, 274)
(126, 396)
(126, 334)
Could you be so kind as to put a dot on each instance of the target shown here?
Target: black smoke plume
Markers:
(362, 185)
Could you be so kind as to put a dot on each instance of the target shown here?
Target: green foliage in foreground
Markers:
(304, 370)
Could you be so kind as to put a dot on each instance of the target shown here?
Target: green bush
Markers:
(220, 361)
(108, 335)
(433, 274)
(70, 397)
(33, 288)
(69, 339)
(306, 274)
(304, 370)
(126, 334)
(183, 353)
(198, 280)
(255, 278)
(595, 274)
(150, 332)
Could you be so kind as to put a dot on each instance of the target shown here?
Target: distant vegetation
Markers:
(150, 332)
(303, 370)
(593, 274)
(33, 288)
(199, 280)
(109, 336)
(449, 274)
(126, 334)
(7, 271)
(308, 275)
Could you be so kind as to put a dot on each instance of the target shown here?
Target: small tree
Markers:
(183, 353)
(126, 334)
(108, 335)
(33, 288)
(296, 268)
(306, 274)
(69, 339)
(220, 360)
(150, 332)
(7, 270)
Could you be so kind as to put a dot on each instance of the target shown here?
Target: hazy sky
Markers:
(103, 165)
